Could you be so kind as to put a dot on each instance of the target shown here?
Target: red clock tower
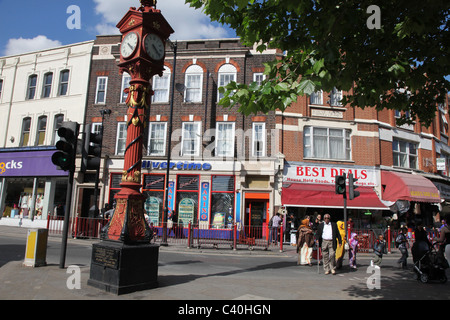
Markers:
(142, 53)
(126, 261)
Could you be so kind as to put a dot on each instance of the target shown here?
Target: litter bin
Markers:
(36, 250)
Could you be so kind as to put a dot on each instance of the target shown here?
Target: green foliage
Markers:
(327, 44)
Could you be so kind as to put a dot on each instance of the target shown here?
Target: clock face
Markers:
(154, 46)
(129, 44)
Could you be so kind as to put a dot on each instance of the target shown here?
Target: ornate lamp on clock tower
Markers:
(142, 53)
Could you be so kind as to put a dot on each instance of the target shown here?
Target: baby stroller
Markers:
(429, 264)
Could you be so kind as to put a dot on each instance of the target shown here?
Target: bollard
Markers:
(189, 235)
(389, 239)
(281, 238)
(36, 249)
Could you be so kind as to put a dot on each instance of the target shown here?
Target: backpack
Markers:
(399, 240)
(270, 222)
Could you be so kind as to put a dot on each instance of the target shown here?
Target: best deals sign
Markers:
(325, 174)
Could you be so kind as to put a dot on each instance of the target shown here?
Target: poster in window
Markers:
(152, 206)
(186, 211)
(219, 220)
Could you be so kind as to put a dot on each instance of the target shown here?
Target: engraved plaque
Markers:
(107, 257)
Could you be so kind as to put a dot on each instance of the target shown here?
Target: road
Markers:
(192, 274)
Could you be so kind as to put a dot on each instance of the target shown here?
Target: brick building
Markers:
(399, 168)
(225, 167)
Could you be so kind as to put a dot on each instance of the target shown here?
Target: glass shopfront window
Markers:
(222, 201)
(153, 188)
(187, 199)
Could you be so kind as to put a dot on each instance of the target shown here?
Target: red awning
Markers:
(406, 186)
(324, 196)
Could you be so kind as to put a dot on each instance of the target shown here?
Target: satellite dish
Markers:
(180, 87)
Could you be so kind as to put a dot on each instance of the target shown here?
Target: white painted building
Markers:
(38, 90)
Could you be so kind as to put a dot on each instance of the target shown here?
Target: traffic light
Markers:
(92, 149)
(352, 194)
(339, 184)
(64, 158)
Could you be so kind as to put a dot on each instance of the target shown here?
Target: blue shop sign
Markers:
(181, 165)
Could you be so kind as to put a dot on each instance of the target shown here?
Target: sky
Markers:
(32, 25)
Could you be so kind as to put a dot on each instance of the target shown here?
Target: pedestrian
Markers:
(340, 250)
(305, 243)
(353, 248)
(316, 222)
(379, 248)
(444, 241)
(328, 236)
(402, 242)
(276, 223)
(174, 218)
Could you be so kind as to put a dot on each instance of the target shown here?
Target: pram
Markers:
(429, 264)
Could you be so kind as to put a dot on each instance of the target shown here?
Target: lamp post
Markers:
(179, 88)
(97, 174)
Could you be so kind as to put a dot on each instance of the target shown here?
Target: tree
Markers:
(396, 57)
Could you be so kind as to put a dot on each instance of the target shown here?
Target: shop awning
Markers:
(324, 196)
(405, 186)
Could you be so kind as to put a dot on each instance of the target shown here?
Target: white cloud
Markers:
(187, 22)
(21, 45)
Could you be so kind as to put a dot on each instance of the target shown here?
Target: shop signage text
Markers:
(181, 165)
(326, 174)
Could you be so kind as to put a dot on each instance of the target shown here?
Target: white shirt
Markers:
(327, 233)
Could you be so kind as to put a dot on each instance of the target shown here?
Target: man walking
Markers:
(328, 236)
(276, 223)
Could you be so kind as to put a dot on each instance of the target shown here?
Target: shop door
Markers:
(255, 216)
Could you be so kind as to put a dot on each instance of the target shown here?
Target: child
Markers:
(353, 244)
(379, 248)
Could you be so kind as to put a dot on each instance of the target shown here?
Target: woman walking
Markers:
(340, 250)
(305, 243)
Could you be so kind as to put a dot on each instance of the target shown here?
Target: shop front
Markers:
(31, 186)
(199, 193)
(414, 198)
(309, 189)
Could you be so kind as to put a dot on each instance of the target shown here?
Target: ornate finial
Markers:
(148, 3)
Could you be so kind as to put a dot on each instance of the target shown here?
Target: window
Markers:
(59, 118)
(31, 90)
(227, 73)
(121, 138)
(161, 87)
(26, 125)
(259, 139)
(194, 79)
(259, 77)
(317, 97)
(157, 139)
(125, 84)
(336, 98)
(191, 139)
(225, 139)
(47, 87)
(405, 154)
(1, 88)
(326, 143)
(222, 201)
(40, 134)
(100, 94)
(63, 82)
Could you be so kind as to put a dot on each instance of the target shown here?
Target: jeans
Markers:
(403, 259)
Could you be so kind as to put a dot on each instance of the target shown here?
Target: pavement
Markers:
(50, 282)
